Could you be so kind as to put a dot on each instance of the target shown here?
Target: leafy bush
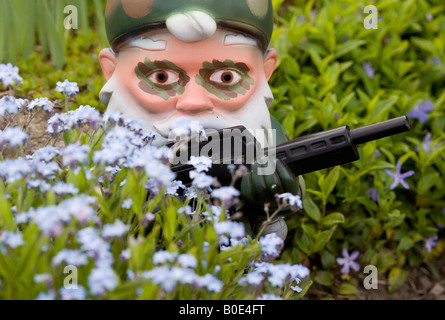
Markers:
(334, 72)
(387, 209)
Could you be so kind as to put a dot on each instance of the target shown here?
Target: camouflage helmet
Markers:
(126, 19)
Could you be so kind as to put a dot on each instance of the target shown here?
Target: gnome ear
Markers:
(270, 62)
(107, 60)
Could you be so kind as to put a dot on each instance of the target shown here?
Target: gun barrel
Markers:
(380, 130)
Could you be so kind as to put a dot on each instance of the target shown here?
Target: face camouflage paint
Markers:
(161, 78)
(226, 80)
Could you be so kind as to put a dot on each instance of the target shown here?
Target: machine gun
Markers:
(302, 155)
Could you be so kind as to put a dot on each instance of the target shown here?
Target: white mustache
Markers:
(217, 122)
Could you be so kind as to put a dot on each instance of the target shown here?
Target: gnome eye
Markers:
(226, 77)
(164, 77)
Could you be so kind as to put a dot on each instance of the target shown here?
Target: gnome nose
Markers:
(195, 99)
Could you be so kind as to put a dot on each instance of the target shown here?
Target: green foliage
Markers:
(25, 24)
(321, 83)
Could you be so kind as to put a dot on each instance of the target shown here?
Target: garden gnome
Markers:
(204, 60)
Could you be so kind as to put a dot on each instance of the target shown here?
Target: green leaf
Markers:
(424, 44)
(385, 260)
(311, 209)
(323, 278)
(333, 218)
(327, 259)
(348, 47)
(348, 289)
(405, 244)
(396, 278)
(169, 223)
(330, 181)
(322, 239)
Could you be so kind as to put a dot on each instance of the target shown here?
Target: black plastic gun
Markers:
(302, 155)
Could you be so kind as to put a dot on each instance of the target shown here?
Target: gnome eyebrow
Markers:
(222, 91)
(144, 69)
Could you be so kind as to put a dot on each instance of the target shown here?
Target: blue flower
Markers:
(74, 154)
(9, 75)
(11, 105)
(77, 293)
(42, 278)
(399, 177)
(102, 279)
(12, 239)
(270, 296)
(271, 246)
(64, 188)
(429, 17)
(374, 194)
(46, 296)
(369, 69)
(187, 260)
(161, 257)
(45, 154)
(430, 243)
(232, 228)
(47, 105)
(16, 169)
(201, 163)
(67, 88)
(174, 186)
(253, 278)
(348, 261)
(293, 200)
(421, 110)
(71, 257)
(226, 195)
(118, 229)
(14, 136)
(127, 203)
(200, 180)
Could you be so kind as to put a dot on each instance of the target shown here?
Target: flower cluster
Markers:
(277, 275)
(84, 115)
(9, 75)
(11, 105)
(11, 239)
(271, 246)
(71, 214)
(14, 136)
(52, 219)
(294, 201)
(169, 277)
(67, 88)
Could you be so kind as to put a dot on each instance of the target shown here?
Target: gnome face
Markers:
(192, 69)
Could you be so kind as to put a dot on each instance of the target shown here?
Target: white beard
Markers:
(254, 115)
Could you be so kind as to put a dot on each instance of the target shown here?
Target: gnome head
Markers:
(201, 60)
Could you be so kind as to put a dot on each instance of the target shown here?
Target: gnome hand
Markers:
(262, 189)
